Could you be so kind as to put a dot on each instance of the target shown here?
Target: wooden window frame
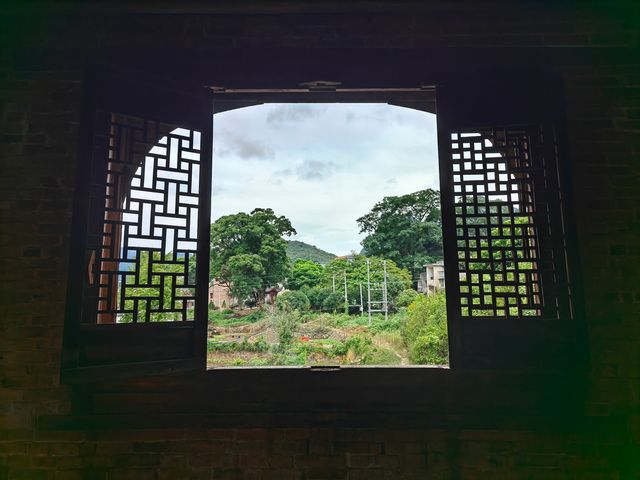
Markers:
(95, 349)
(326, 384)
(550, 341)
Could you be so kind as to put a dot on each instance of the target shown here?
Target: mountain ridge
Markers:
(302, 250)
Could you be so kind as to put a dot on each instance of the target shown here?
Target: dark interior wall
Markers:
(44, 52)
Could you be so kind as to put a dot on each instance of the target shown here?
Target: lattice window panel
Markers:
(498, 252)
(147, 257)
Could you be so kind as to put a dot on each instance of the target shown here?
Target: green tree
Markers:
(333, 302)
(406, 229)
(293, 300)
(305, 273)
(317, 296)
(248, 253)
(245, 273)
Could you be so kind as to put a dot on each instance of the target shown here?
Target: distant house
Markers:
(271, 293)
(432, 279)
(219, 295)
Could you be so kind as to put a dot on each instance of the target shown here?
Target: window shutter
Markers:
(511, 293)
(138, 276)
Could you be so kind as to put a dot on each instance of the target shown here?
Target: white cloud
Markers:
(235, 143)
(322, 166)
(315, 169)
(292, 113)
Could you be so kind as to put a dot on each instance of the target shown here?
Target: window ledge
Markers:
(349, 396)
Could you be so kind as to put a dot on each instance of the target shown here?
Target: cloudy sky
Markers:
(321, 165)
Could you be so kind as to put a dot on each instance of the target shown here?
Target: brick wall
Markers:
(43, 54)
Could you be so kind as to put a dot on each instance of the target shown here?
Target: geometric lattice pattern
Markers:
(497, 247)
(147, 263)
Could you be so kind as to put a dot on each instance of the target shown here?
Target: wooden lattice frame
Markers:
(145, 262)
(497, 221)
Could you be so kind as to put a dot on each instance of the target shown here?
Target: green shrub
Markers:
(214, 346)
(423, 311)
(392, 324)
(317, 296)
(425, 330)
(334, 320)
(258, 346)
(215, 316)
(253, 317)
(333, 302)
(225, 320)
(286, 325)
(430, 347)
(292, 300)
(406, 297)
(358, 345)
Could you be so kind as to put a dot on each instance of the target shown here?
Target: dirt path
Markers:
(380, 342)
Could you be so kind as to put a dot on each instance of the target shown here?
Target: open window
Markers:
(137, 292)
(347, 152)
(510, 278)
(138, 288)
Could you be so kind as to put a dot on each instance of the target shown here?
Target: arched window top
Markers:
(147, 262)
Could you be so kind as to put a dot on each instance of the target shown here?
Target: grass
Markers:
(245, 346)
(392, 339)
(381, 356)
(223, 318)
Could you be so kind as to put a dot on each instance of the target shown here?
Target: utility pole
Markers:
(380, 304)
(334, 283)
(368, 292)
(361, 304)
(346, 298)
(384, 292)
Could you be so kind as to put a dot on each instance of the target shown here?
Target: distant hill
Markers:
(297, 249)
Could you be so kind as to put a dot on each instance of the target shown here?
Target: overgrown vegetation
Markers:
(321, 316)
(292, 334)
(425, 331)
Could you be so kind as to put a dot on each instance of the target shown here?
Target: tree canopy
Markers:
(248, 253)
(406, 229)
(305, 273)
